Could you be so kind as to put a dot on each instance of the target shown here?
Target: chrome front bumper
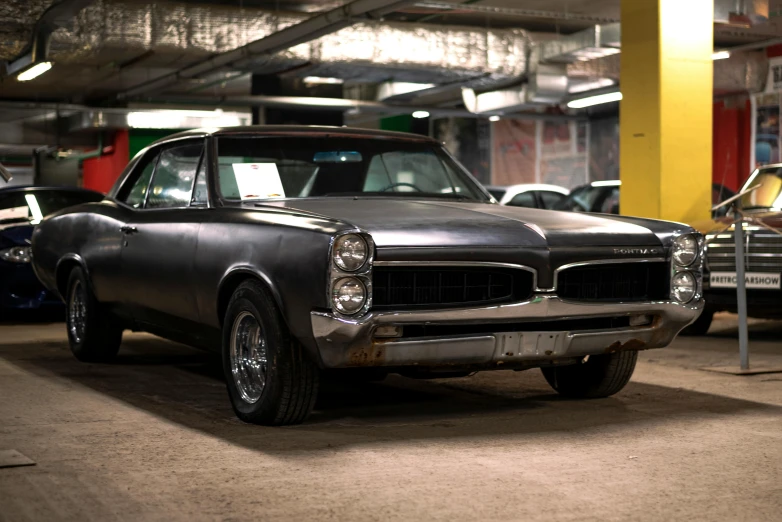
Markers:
(345, 343)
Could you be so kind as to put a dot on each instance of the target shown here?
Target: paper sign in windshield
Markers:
(258, 180)
(14, 213)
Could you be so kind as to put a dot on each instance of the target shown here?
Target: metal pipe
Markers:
(741, 295)
(302, 32)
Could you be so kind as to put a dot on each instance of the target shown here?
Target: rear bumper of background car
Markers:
(542, 330)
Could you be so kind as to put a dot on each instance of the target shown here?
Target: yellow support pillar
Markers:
(665, 121)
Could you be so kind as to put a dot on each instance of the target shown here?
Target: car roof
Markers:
(33, 188)
(299, 130)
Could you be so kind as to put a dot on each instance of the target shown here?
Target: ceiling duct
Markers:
(548, 85)
(742, 72)
(170, 35)
(741, 12)
(595, 42)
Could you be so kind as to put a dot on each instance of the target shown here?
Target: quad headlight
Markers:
(350, 252)
(348, 295)
(16, 254)
(685, 250)
(684, 286)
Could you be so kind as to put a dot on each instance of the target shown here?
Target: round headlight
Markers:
(16, 254)
(350, 252)
(683, 287)
(685, 250)
(348, 295)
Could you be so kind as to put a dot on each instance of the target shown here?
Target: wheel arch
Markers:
(235, 277)
(62, 271)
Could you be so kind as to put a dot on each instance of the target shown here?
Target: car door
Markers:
(161, 238)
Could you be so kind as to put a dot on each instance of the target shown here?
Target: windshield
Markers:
(252, 168)
(769, 195)
(32, 205)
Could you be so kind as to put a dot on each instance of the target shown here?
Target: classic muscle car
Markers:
(21, 208)
(299, 249)
(762, 253)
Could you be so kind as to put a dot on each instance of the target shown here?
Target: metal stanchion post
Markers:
(741, 296)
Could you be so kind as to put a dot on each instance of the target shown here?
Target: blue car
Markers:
(21, 208)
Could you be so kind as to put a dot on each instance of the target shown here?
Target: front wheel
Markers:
(598, 376)
(94, 336)
(270, 376)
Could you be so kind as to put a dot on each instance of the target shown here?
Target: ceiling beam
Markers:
(302, 32)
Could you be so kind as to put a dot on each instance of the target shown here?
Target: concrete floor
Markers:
(153, 437)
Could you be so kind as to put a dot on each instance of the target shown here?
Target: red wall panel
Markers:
(100, 173)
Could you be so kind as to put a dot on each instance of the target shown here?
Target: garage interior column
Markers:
(666, 109)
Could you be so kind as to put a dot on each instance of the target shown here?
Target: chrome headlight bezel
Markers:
(694, 268)
(679, 246)
(19, 254)
(339, 304)
(693, 285)
(341, 243)
(363, 274)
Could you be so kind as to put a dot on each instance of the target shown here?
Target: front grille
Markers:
(411, 287)
(614, 282)
(762, 251)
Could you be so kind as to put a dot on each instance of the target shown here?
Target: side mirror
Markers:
(5, 173)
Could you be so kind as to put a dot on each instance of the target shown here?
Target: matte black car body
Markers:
(173, 271)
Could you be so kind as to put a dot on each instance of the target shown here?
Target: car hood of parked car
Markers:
(15, 234)
(772, 218)
(395, 222)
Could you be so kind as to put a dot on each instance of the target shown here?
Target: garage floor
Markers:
(153, 437)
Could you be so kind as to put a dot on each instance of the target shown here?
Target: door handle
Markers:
(128, 230)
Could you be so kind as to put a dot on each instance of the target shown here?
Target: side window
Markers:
(199, 189)
(550, 199)
(172, 184)
(525, 199)
(611, 203)
(138, 192)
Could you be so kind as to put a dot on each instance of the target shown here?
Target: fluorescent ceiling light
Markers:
(720, 55)
(35, 210)
(420, 114)
(607, 183)
(185, 119)
(494, 118)
(35, 71)
(322, 80)
(595, 100)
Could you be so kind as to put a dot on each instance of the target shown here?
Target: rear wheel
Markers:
(598, 376)
(270, 376)
(93, 334)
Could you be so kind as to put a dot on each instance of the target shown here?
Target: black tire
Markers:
(290, 376)
(94, 336)
(600, 376)
(701, 325)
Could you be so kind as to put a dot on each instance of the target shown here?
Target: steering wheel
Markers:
(394, 185)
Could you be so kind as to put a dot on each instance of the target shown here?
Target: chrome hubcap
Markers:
(77, 312)
(248, 357)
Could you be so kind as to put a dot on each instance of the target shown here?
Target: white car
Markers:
(530, 195)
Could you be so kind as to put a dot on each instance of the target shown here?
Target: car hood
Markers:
(442, 223)
(772, 218)
(15, 235)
